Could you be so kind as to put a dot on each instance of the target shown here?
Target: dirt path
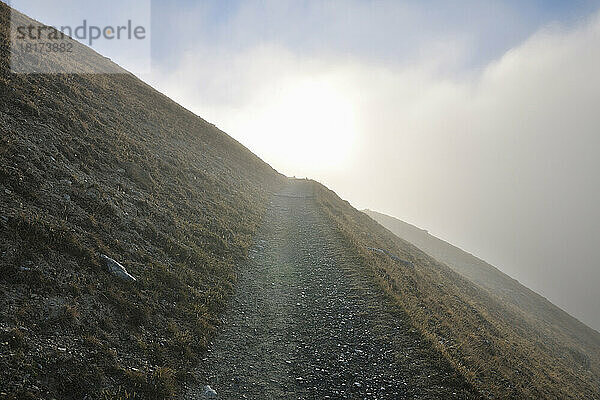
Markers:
(305, 325)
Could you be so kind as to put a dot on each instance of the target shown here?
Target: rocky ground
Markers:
(305, 324)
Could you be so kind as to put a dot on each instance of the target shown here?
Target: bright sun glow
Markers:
(306, 126)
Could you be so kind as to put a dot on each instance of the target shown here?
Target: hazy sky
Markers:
(477, 120)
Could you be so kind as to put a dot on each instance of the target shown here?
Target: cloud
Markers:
(502, 162)
(386, 31)
(505, 164)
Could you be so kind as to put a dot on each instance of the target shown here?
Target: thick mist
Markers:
(481, 128)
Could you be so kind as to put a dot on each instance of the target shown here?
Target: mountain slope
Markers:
(490, 278)
(104, 164)
(551, 332)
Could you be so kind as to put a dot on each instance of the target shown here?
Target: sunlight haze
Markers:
(478, 125)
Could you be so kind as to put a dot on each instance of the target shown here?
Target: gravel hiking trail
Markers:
(307, 323)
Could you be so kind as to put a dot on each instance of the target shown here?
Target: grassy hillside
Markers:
(503, 351)
(104, 164)
(537, 308)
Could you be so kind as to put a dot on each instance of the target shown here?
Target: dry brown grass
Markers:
(104, 164)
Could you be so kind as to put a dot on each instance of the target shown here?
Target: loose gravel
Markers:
(308, 323)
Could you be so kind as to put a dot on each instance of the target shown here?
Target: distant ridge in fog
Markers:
(509, 290)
